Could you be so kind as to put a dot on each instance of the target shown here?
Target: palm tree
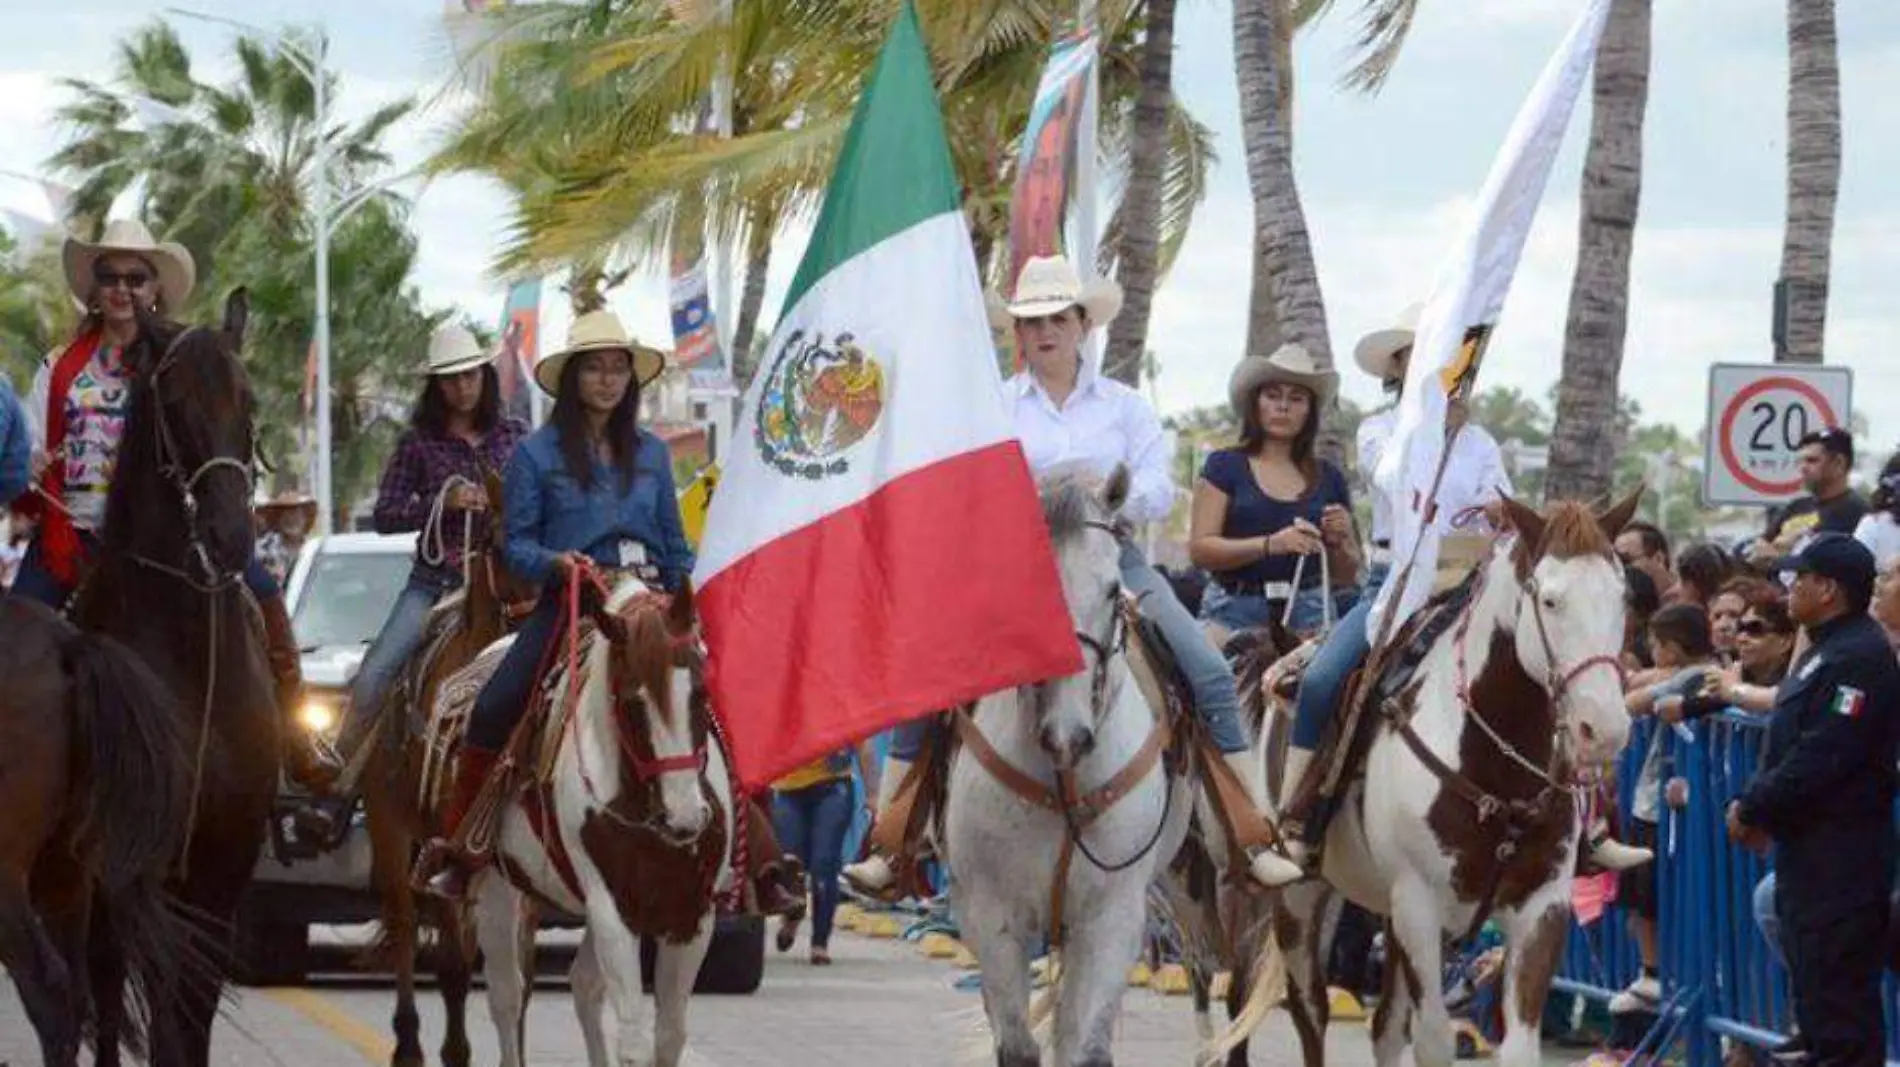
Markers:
(591, 117)
(37, 313)
(1582, 459)
(1138, 246)
(1814, 178)
(207, 156)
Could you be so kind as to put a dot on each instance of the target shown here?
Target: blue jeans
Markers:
(401, 635)
(1766, 918)
(1216, 698)
(811, 824)
(1344, 650)
(504, 698)
(35, 582)
(1239, 612)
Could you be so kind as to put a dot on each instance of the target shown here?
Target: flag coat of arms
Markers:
(876, 549)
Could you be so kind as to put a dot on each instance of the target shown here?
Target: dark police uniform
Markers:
(1825, 793)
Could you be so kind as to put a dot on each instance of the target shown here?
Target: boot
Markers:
(308, 759)
(1609, 854)
(876, 874)
(441, 870)
(778, 878)
(1293, 835)
(1265, 866)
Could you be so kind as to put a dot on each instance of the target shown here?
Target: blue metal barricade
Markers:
(1721, 979)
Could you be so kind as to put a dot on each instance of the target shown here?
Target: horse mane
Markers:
(1571, 529)
(649, 645)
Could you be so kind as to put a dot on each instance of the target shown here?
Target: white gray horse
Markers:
(1018, 853)
(1467, 809)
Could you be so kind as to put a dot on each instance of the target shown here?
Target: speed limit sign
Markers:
(1758, 414)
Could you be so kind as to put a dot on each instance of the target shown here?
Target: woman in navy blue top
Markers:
(1266, 504)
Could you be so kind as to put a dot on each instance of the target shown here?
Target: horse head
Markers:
(182, 492)
(655, 673)
(1569, 618)
(1085, 531)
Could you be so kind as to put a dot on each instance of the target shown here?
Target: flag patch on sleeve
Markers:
(1849, 701)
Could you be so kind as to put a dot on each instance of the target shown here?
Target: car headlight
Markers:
(318, 716)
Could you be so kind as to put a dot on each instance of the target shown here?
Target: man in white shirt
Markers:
(1068, 414)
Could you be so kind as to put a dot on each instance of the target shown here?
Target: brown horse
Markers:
(400, 816)
(168, 584)
(94, 780)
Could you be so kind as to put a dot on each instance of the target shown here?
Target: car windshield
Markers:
(347, 596)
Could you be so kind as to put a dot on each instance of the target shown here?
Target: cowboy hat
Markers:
(1290, 363)
(452, 350)
(1048, 284)
(287, 500)
(170, 261)
(1375, 351)
(598, 331)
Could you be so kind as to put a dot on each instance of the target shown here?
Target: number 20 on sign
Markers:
(1758, 414)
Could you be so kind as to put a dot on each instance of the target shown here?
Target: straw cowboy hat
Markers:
(1048, 284)
(1290, 363)
(289, 500)
(170, 260)
(452, 350)
(598, 331)
(1375, 353)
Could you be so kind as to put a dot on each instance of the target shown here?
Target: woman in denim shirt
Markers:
(589, 487)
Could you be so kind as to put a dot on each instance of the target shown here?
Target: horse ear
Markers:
(1115, 492)
(237, 314)
(1524, 519)
(684, 614)
(1620, 514)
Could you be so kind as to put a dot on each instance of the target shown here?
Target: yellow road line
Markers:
(372, 1044)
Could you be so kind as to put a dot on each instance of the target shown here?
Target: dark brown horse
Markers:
(94, 781)
(398, 816)
(168, 584)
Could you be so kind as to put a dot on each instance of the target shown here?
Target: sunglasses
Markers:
(109, 279)
(1753, 628)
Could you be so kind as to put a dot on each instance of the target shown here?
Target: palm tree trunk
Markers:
(1283, 247)
(1582, 445)
(758, 261)
(1814, 177)
(1140, 252)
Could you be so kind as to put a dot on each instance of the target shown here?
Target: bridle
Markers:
(1107, 648)
(209, 578)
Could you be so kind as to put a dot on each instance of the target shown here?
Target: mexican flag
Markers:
(876, 550)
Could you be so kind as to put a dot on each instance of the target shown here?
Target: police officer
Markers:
(1824, 797)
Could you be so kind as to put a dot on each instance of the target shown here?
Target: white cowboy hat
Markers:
(1290, 363)
(170, 260)
(452, 350)
(1048, 284)
(1375, 351)
(594, 332)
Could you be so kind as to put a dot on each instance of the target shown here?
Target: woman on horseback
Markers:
(590, 489)
(1067, 412)
(434, 483)
(1265, 511)
(1470, 509)
(77, 411)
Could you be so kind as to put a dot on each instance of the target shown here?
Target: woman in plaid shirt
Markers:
(457, 434)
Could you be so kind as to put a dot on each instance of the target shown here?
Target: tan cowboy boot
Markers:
(876, 874)
(441, 870)
(1293, 838)
(1264, 865)
(308, 759)
(778, 878)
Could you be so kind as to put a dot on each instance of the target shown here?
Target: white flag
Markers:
(1469, 293)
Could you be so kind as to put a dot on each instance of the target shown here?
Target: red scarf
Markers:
(60, 549)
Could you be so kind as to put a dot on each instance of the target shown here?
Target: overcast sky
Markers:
(1386, 180)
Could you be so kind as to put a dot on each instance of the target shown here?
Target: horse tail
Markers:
(136, 782)
(1266, 988)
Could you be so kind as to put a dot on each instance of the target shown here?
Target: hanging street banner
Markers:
(695, 330)
(1046, 167)
(520, 346)
(1462, 310)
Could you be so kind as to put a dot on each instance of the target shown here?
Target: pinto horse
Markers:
(1467, 809)
(630, 834)
(1060, 812)
(168, 585)
(94, 780)
(400, 815)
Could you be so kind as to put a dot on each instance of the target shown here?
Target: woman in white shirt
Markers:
(1879, 529)
(1068, 414)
